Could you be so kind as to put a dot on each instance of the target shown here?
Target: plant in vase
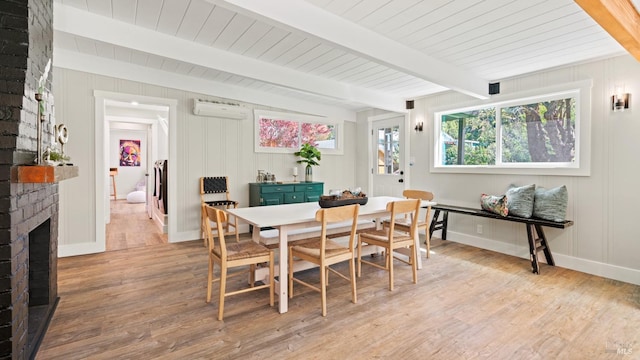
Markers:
(310, 156)
(54, 157)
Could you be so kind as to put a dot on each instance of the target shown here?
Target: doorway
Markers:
(136, 141)
(124, 221)
(387, 155)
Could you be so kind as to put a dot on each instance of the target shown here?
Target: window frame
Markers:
(579, 167)
(299, 118)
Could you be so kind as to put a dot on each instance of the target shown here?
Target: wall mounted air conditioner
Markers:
(220, 110)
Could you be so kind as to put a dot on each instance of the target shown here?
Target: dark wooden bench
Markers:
(536, 244)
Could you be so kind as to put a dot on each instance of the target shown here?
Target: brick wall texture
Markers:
(26, 41)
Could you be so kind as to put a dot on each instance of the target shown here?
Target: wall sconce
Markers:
(620, 101)
(418, 126)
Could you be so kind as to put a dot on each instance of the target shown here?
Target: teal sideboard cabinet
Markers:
(262, 194)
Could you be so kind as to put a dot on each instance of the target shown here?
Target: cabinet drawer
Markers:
(295, 197)
(312, 196)
(309, 187)
(271, 199)
(277, 189)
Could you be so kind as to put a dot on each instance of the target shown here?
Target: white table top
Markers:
(289, 214)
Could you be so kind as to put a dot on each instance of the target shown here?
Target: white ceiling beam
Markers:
(101, 66)
(302, 16)
(85, 24)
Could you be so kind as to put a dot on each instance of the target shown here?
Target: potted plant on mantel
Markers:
(310, 155)
(53, 157)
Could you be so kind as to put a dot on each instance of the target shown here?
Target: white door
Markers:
(388, 155)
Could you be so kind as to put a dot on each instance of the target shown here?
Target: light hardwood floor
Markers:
(131, 227)
(149, 303)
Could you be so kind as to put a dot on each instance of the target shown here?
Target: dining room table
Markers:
(290, 217)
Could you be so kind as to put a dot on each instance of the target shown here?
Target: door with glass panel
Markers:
(388, 152)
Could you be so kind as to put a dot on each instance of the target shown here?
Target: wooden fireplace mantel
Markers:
(42, 173)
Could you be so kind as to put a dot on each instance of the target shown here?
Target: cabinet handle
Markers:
(294, 197)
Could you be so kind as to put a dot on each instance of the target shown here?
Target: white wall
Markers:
(205, 146)
(605, 239)
(128, 176)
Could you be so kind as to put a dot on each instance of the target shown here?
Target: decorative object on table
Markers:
(346, 198)
(62, 136)
(129, 152)
(53, 157)
(310, 156)
(294, 172)
(42, 106)
(265, 177)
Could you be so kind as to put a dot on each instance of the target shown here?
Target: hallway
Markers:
(131, 227)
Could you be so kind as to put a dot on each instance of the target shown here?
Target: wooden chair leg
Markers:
(323, 290)
(428, 243)
(352, 276)
(235, 227)
(359, 253)
(272, 281)
(390, 265)
(223, 286)
(210, 279)
(414, 264)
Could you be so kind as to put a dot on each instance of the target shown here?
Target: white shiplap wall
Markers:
(205, 146)
(605, 239)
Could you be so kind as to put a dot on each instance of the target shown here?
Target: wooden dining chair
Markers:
(325, 252)
(214, 191)
(390, 239)
(234, 255)
(404, 223)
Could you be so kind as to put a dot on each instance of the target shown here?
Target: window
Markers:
(278, 132)
(529, 135)
(388, 150)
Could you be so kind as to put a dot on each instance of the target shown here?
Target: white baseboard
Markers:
(79, 249)
(566, 261)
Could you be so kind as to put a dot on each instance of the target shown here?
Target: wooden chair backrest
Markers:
(419, 194)
(218, 217)
(214, 185)
(410, 207)
(337, 214)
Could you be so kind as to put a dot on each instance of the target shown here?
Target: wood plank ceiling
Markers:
(349, 54)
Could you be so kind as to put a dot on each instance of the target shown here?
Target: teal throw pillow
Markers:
(520, 200)
(551, 204)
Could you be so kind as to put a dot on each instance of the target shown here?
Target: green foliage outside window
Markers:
(539, 132)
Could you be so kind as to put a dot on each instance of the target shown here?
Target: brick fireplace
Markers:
(28, 210)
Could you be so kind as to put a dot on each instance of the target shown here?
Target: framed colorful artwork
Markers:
(129, 152)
